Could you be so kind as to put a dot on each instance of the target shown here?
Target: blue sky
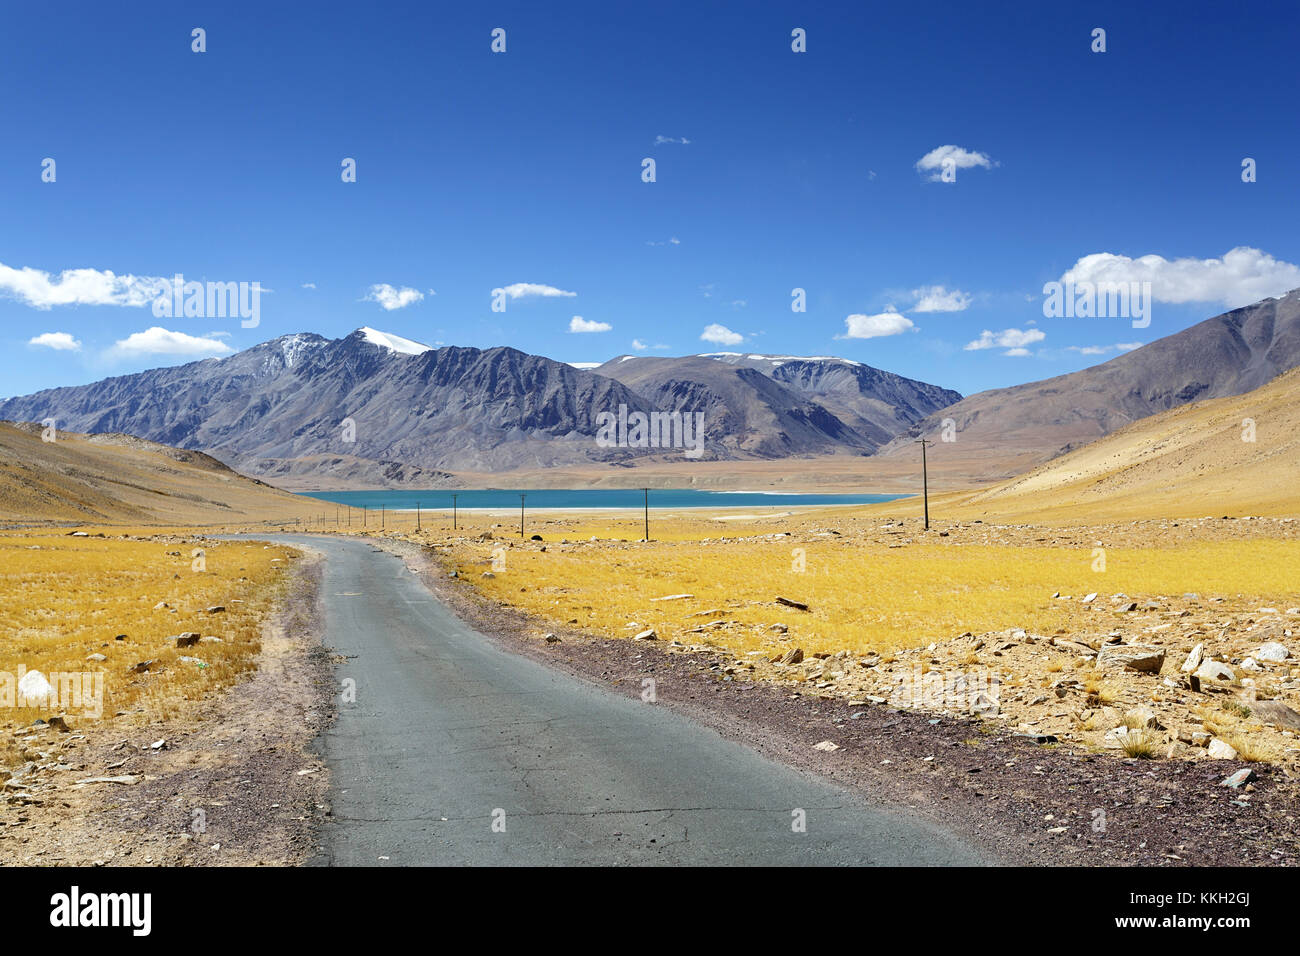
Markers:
(479, 170)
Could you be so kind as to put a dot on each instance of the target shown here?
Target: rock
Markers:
(1194, 659)
(120, 637)
(217, 609)
(140, 668)
(827, 746)
(192, 660)
(1135, 657)
(188, 639)
(161, 606)
(673, 597)
(1125, 608)
(647, 635)
(211, 640)
(1273, 652)
(792, 656)
(1089, 598)
(780, 628)
(1221, 750)
(1276, 713)
(1145, 718)
(97, 658)
(125, 779)
(34, 687)
(797, 605)
(1238, 779)
(1250, 664)
(488, 574)
(1200, 738)
(59, 724)
(1215, 670)
(552, 639)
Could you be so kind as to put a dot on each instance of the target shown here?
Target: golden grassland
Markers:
(862, 596)
(65, 598)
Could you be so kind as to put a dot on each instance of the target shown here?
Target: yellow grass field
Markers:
(65, 598)
(862, 595)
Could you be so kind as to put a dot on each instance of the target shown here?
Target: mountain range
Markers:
(379, 410)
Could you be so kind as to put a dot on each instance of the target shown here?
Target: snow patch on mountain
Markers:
(394, 343)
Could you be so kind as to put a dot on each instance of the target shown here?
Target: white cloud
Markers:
(670, 241)
(1014, 340)
(639, 346)
(390, 297)
(1242, 276)
(933, 161)
(520, 290)
(579, 324)
(1103, 349)
(43, 290)
(721, 335)
(59, 341)
(936, 298)
(660, 140)
(889, 322)
(309, 285)
(159, 341)
(1018, 353)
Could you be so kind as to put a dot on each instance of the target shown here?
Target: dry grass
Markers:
(860, 595)
(63, 599)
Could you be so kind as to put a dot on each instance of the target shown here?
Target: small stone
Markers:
(827, 746)
(1089, 598)
(1273, 652)
(1136, 657)
(1221, 750)
(1194, 659)
(647, 635)
(1238, 779)
(188, 639)
(552, 639)
(97, 658)
(217, 609)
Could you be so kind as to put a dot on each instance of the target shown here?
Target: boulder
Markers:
(647, 635)
(1276, 713)
(1216, 671)
(1273, 652)
(1135, 657)
(188, 639)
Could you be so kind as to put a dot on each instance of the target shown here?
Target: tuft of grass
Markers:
(1236, 708)
(1141, 745)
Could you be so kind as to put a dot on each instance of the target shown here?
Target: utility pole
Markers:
(365, 512)
(647, 513)
(417, 517)
(453, 512)
(925, 480)
(521, 515)
(383, 517)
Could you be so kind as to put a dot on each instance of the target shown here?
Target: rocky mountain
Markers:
(377, 409)
(1229, 354)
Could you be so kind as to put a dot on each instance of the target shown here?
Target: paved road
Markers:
(450, 735)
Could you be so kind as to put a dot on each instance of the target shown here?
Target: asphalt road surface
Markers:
(459, 752)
